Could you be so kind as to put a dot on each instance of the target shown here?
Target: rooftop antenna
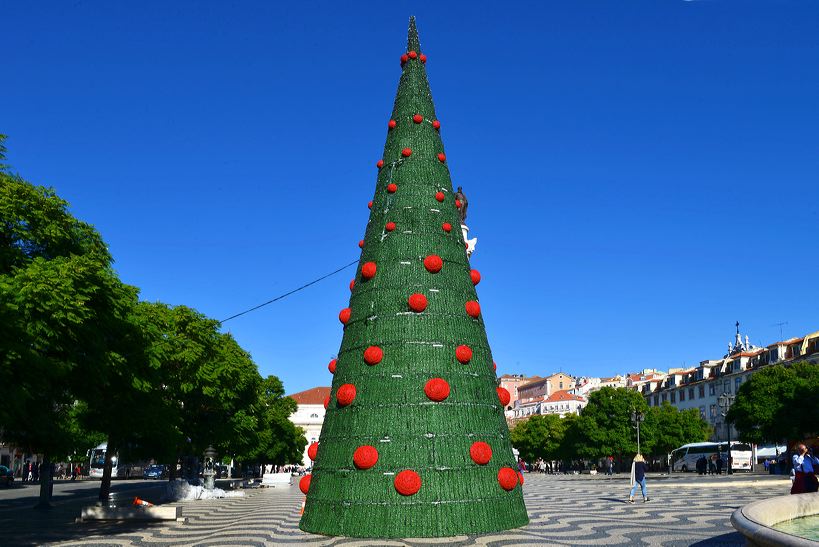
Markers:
(780, 328)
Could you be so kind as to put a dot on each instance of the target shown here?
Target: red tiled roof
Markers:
(312, 396)
(563, 396)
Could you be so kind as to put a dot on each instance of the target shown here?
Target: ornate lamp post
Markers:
(637, 417)
(208, 473)
(725, 401)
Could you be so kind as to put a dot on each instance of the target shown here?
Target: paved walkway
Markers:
(684, 510)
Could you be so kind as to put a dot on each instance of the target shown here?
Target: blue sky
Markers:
(641, 174)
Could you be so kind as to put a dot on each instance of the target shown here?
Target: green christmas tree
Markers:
(414, 442)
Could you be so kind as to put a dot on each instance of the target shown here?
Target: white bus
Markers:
(118, 470)
(685, 457)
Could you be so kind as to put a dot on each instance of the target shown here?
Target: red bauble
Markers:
(360, 243)
(369, 204)
(412, 55)
(404, 58)
(433, 263)
(447, 227)
(463, 354)
(507, 478)
(332, 368)
(503, 396)
(417, 302)
(352, 282)
(473, 309)
(436, 124)
(304, 484)
(441, 157)
(440, 196)
(436, 389)
(365, 456)
(345, 394)
(476, 276)
(326, 401)
(379, 164)
(368, 270)
(344, 315)
(418, 118)
(458, 203)
(423, 58)
(373, 355)
(407, 482)
(494, 366)
(392, 187)
(406, 152)
(480, 452)
(391, 124)
(520, 478)
(312, 451)
(390, 226)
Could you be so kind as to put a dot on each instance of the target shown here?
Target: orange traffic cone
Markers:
(142, 503)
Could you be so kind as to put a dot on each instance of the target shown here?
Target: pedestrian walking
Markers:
(804, 467)
(638, 476)
(719, 466)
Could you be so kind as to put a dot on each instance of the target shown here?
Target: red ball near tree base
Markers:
(458, 203)
(433, 263)
(368, 270)
(412, 54)
(417, 302)
(373, 355)
(436, 389)
(507, 478)
(441, 157)
(473, 309)
(312, 451)
(390, 226)
(392, 187)
(480, 452)
(365, 456)
(304, 484)
(344, 315)
(463, 354)
(406, 152)
(476, 276)
(447, 227)
(440, 196)
(418, 118)
(503, 396)
(436, 124)
(332, 368)
(345, 394)
(407, 482)
(391, 124)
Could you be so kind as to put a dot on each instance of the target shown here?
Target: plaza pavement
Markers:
(563, 510)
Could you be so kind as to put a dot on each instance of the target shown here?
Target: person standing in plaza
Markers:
(638, 477)
(804, 467)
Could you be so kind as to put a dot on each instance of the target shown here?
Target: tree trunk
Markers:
(45, 484)
(105, 483)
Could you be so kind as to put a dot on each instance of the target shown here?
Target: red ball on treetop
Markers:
(369, 204)
(391, 124)
(436, 389)
(433, 263)
(480, 452)
(406, 152)
(507, 478)
(423, 58)
(345, 394)
(503, 396)
(407, 482)
(418, 118)
(447, 227)
(473, 309)
(368, 270)
(390, 226)
(417, 302)
(344, 315)
(476, 276)
(412, 54)
(440, 196)
(365, 456)
(379, 164)
(404, 58)
(463, 354)
(436, 124)
(494, 366)
(312, 451)
(441, 157)
(392, 187)
(304, 484)
(332, 368)
(373, 355)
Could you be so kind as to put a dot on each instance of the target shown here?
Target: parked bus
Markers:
(119, 470)
(685, 457)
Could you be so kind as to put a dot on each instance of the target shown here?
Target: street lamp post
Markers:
(725, 401)
(637, 417)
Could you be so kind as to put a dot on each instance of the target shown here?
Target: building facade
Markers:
(511, 382)
(560, 402)
(309, 415)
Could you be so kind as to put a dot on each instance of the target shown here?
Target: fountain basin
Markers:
(755, 520)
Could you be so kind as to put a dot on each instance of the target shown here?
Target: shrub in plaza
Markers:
(414, 442)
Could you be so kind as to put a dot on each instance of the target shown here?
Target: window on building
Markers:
(713, 411)
(314, 415)
(673, 397)
(711, 389)
(664, 397)
(702, 391)
(682, 396)
(656, 401)
(691, 394)
(737, 383)
(561, 385)
(702, 412)
(726, 386)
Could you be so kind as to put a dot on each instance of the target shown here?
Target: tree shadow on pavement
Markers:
(733, 539)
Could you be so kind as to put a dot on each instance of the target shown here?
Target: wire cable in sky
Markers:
(313, 282)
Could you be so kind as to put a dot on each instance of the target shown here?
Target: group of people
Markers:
(31, 471)
(709, 466)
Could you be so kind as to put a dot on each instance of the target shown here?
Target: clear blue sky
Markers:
(641, 173)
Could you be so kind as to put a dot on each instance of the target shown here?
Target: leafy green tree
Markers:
(666, 428)
(540, 436)
(278, 440)
(777, 403)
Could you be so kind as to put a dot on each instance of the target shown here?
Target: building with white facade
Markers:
(310, 415)
(560, 403)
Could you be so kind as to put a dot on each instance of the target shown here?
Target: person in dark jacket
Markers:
(638, 476)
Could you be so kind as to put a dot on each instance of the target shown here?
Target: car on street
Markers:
(6, 476)
(155, 471)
